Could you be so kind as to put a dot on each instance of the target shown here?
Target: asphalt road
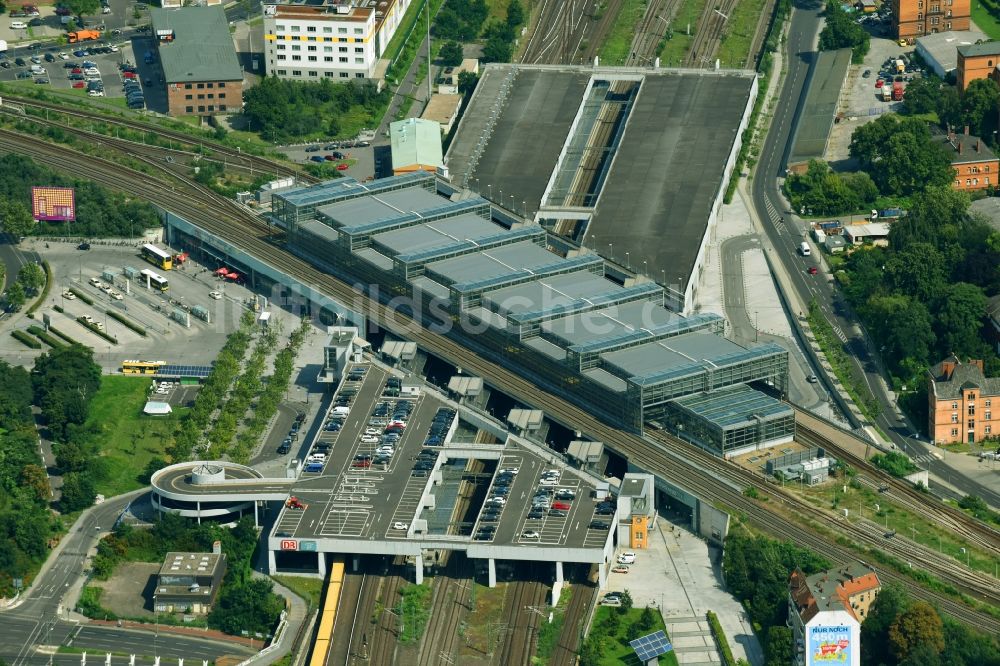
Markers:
(13, 258)
(41, 620)
(786, 233)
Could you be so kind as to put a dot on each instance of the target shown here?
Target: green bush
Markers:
(895, 463)
(21, 336)
(82, 295)
(49, 281)
(57, 308)
(59, 334)
(720, 639)
(127, 322)
(93, 327)
(40, 333)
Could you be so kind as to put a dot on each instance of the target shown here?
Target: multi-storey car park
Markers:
(632, 163)
(511, 500)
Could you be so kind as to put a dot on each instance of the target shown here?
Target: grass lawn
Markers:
(309, 589)
(734, 51)
(615, 649)
(498, 9)
(986, 20)
(615, 49)
(76, 94)
(676, 48)
(129, 439)
(487, 612)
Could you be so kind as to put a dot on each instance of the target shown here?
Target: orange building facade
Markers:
(976, 61)
(963, 404)
(976, 165)
(916, 18)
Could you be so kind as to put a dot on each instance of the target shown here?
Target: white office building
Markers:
(336, 39)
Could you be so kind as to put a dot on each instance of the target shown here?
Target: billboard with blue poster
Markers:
(829, 645)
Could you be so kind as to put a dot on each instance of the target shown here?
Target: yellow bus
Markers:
(141, 367)
(157, 257)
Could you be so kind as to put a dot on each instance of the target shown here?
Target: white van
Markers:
(804, 249)
(627, 557)
(18, 25)
(344, 411)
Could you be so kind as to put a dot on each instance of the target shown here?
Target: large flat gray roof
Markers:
(508, 260)
(381, 206)
(610, 322)
(734, 406)
(551, 292)
(820, 108)
(202, 47)
(528, 134)
(668, 170)
(438, 233)
(694, 350)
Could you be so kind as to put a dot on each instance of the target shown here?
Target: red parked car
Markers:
(79, 84)
(560, 506)
(128, 75)
(341, 167)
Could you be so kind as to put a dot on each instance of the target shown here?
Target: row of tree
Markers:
(925, 295)
(757, 570)
(26, 523)
(100, 213)
(65, 381)
(30, 278)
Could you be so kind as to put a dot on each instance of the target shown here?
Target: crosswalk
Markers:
(924, 458)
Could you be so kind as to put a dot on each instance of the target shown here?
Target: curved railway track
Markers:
(233, 156)
(568, 643)
(709, 478)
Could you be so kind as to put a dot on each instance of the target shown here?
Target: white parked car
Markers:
(400, 526)
(530, 534)
(368, 439)
(371, 431)
(214, 295)
(115, 295)
(95, 282)
(69, 295)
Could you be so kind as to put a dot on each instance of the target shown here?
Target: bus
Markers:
(157, 257)
(141, 367)
(155, 280)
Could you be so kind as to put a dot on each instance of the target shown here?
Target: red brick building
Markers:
(916, 18)
(202, 75)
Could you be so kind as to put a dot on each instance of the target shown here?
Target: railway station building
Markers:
(493, 281)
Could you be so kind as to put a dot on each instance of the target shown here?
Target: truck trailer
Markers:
(897, 91)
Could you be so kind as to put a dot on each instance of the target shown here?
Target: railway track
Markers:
(522, 616)
(711, 27)
(650, 31)
(567, 32)
(713, 480)
(233, 156)
(449, 606)
(576, 613)
(348, 616)
(382, 636)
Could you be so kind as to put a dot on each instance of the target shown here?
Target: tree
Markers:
(467, 83)
(922, 95)
(903, 327)
(153, 466)
(31, 277)
(16, 219)
(979, 106)
(451, 54)
(592, 651)
(841, 31)
(918, 271)
(647, 619)
(252, 607)
(890, 602)
(961, 309)
(917, 626)
(825, 192)
(778, 650)
(930, 212)
(627, 602)
(82, 7)
(900, 156)
(515, 13)
(77, 492)
(15, 296)
(497, 49)
(36, 482)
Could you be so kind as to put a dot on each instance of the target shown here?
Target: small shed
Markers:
(155, 408)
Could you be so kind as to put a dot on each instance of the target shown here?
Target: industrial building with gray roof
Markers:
(623, 353)
(631, 162)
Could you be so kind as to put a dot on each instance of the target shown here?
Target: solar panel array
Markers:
(651, 646)
(200, 371)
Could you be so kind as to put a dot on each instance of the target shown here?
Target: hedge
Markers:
(128, 322)
(26, 339)
(49, 281)
(92, 327)
(57, 308)
(59, 334)
(40, 333)
(82, 296)
(720, 639)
